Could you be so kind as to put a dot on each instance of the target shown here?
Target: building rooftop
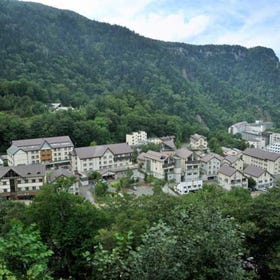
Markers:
(261, 154)
(208, 157)
(254, 171)
(25, 171)
(183, 153)
(98, 151)
(227, 170)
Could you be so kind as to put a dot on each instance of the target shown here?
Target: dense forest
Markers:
(118, 81)
(213, 234)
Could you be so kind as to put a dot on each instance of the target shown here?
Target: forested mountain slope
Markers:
(50, 55)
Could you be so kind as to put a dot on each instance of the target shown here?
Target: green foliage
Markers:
(23, 255)
(122, 82)
(101, 188)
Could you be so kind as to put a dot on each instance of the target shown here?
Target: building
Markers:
(237, 128)
(53, 175)
(102, 157)
(157, 164)
(198, 142)
(188, 186)
(210, 165)
(189, 166)
(274, 138)
(51, 150)
(274, 147)
(167, 145)
(136, 138)
(21, 181)
(229, 177)
(231, 151)
(233, 161)
(264, 180)
(264, 159)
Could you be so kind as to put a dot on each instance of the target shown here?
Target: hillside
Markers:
(50, 55)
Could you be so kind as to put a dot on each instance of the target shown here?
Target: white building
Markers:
(188, 186)
(136, 138)
(264, 180)
(237, 128)
(266, 160)
(190, 167)
(51, 150)
(229, 177)
(210, 165)
(274, 138)
(100, 158)
(21, 181)
(274, 147)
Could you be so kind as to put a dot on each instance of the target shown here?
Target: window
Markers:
(26, 188)
(33, 180)
(40, 180)
(33, 188)
(4, 183)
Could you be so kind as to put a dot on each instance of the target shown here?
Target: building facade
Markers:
(136, 138)
(198, 142)
(210, 165)
(159, 165)
(21, 181)
(100, 158)
(51, 150)
(264, 180)
(229, 177)
(264, 159)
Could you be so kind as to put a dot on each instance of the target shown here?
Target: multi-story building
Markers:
(190, 167)
(100, 158)
(198, 142)
(274, 147)
(136, 138)
(21, 181)
(264, 159)
(157, 164)
(210, 165)
(233, 161)
(51, 150)
(264, 180)
(237, 128)
(229, 177)
(189, 186)
(274, 138)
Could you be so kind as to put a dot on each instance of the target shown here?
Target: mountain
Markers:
(50, 55)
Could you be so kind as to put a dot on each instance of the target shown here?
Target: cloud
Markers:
(171, 27)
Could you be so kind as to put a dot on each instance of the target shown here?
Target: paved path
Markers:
(86, 193)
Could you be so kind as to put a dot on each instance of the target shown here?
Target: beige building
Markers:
(229, 177)
(233, 161)
(198, 142)
(51, 150)
(159, 165)
(21, 181)
(264, 159)
(101, 158)
(264, 180)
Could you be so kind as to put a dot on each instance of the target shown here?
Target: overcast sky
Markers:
(244, 22)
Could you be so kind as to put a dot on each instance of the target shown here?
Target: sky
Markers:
(247, 23)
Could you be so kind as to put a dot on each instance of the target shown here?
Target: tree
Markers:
(23, 255)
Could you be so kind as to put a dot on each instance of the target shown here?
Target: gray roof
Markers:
(98, 151)
(208, 157)
(227, 170)
(36, 143)
(261, 154)
(25, 171)
(231, 159)
(154, 155)
(58, 173)
(169, 143)
(254, 171)
(183, 153)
